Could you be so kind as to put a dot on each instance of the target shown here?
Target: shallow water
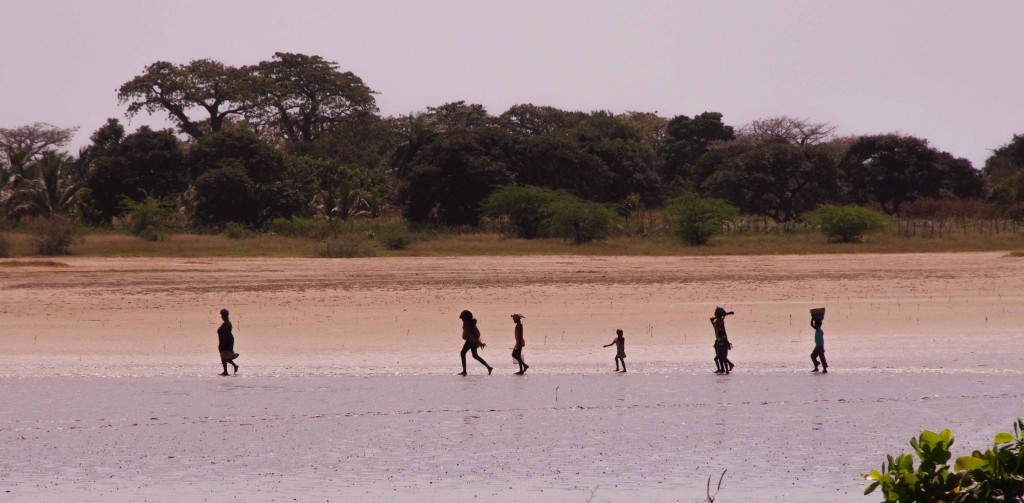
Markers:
(108, 389)
(781, 436)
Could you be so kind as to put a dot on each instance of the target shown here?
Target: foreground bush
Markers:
(847, 224)
(235, 230)
(994, 475)
(695, 220)
(578, 220)
(54, 236)
(151, 218)
(524, 206)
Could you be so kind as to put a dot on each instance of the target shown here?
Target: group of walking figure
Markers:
(473, 342)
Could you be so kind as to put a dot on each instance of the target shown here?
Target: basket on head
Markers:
(818, 314)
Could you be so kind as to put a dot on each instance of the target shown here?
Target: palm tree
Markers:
(48, 187)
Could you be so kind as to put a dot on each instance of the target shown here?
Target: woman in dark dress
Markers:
(471, 334)
(226, 343)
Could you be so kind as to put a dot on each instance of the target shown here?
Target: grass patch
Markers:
(439, 244)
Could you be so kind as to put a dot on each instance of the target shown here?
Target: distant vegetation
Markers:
(294, 144)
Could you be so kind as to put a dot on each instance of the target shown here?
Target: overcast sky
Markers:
(951, 72)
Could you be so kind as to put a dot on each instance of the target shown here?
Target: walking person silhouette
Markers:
(722, 344)
(471, 334)
(226, 343)
(517, 352)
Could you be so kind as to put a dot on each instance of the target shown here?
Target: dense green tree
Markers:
(626, 153)
(891, 169)
(525, 207)
(450, 177)
(579, 221)
(200, 97)
(1005, 161)
(262, 162)
(686, 140)
(302, 97)
(144, 162)
(530, 119)
(695, 220)
(959, 178)
(559, 162)
(776, 179)
(225, 194)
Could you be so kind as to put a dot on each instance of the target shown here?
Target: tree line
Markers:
(297, 136)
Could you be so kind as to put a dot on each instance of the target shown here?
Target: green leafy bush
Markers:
(396, 240)
(151, 218)
(347, 246)
(54, 236)
(847, 224)
(695, 220)
(234, 230)
(578, 220)
(298, 227)
(525, 207)
(994, 475)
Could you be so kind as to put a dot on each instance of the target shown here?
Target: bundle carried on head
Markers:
(818, 314)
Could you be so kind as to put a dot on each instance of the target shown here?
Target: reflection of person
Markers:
(517, 352)
(226, 343)
(620, 350)
(819, 347)
(471, 334)
(722, 345)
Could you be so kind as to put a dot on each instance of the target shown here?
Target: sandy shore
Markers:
(346, 388)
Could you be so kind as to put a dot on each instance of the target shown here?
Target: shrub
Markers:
(348, 246)
(396, 240)
(225, 194)
(578, 220)
(994, 475)
(151, 218)
(54, 236)
(234, 230)
(524, 206)
(695, 220)
(298, 227)
(5, 245)
(847, 224)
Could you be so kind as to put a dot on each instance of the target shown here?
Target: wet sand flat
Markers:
(108, 386)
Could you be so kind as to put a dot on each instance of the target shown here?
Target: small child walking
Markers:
(620, 353)
(517, 352)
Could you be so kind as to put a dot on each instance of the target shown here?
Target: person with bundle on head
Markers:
(722, 344)
(817, 318)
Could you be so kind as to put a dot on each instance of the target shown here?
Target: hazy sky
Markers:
(952, 72)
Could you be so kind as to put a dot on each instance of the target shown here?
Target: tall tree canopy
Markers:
(303, 97)
(686, 140)
(199, 96)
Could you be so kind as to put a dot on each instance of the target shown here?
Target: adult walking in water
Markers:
(517, 352)
(226, 343)
(722, 345)
(471, 334)
(817, 317)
